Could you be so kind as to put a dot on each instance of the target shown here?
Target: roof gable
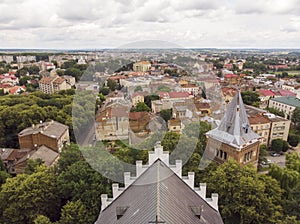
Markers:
(159, 190)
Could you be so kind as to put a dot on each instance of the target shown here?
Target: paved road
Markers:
(280, 160)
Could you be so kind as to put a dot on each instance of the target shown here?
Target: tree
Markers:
(75, 212)
(170, 141)
(262, 153)
(148, 99)
(296, 119)
(68, 64)
(166, 114)
(74, 72)
(32, 165)
(138, 89)
(35, 194)
(41, 219)
(275, 111)
(81, 182)
(112, 84)
(250, 98)
(279, 145)
(69, 155)
(141, 106)
(244, 196)
(293, 139)
(104, 91)
(60, 72)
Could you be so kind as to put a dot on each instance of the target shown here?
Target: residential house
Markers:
(279, 127)
(142, 66)
(285, 104)
(112, 121)
(51, 134)
(137, 97)
(50, 85)
(261, 126)
(175, 125)
(17, 90)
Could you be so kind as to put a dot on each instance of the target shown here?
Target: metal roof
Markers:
(159, 192)
(234, 128)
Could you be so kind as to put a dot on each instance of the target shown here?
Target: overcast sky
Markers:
(71, 24)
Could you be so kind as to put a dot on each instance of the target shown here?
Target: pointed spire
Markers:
(234, 128)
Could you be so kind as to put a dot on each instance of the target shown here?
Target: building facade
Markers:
(51, 134)
(233, 138)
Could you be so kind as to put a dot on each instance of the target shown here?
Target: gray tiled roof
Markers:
(234, 128)
(165, 195)
(46, 154)
(52, 129)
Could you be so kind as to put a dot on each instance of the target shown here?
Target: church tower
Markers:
(233, 138)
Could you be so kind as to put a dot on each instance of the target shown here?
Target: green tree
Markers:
(251, 98)
(41, 219)
(69, 155)
(296, 119)
(74, 72)
(166, 114)
(279, 145)
(81, 182)
(275, 111)
(60, 72)
(244, 196)
(262, 153)
(293, 139)
(112, 84)
(104, 91)
(148, 99)
(138, 89)
(141, 106)
(75, 212)
(170, 141)
(35, 194)
(68, 64)
(32, 165)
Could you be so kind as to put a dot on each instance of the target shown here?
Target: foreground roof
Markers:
(159, 191)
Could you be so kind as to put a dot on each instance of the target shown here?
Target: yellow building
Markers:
(261, 126)
(141, 66)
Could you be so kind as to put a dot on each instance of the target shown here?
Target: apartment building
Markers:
(50, 85)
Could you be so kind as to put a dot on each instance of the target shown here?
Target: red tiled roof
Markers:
(178, 94)
(227, 76)
(284, 92)
(136, 115)
(267, 92)
(15, 89)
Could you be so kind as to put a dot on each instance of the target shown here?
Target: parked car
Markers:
(275, 154)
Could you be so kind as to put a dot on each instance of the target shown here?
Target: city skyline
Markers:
(111, 24)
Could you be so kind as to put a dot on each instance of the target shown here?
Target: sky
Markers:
(95, 24)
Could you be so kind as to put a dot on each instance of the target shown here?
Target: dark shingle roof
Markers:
(159, 191)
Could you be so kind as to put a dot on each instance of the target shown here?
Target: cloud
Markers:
(266, 6)
(107, 23)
